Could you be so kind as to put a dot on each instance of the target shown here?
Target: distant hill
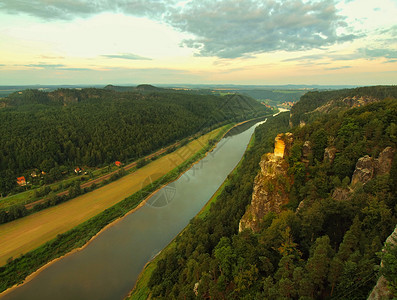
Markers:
(140, 88)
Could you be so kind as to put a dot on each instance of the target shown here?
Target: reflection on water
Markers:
(243, 127)
(109, 266)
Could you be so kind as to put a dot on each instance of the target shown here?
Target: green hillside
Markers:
(55, 132)
(324, 242)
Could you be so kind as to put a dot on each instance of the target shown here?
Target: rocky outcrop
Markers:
(357, 101)
(329, 154)
(279, 146)
(306, 153)
(306, 150)
(368, 167)
(365, 170)
(341, 194)
(380, 291)
(345, 103)
(384, 161)
(269, 192)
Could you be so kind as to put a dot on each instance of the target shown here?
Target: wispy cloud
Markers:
(60, 67)
(129, 56)
(338, 68)
(68, 10)
(76, 69)
(362, 53)
(44, 66)
(51, 57)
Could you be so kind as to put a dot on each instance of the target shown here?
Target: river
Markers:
(109, 266)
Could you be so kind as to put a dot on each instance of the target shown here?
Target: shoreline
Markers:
(31, 276)
(208, 203)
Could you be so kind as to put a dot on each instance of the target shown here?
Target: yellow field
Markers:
(28, 233)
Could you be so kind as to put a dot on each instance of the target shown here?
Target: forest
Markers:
(303, 110)
(54, 132)
(320, 246)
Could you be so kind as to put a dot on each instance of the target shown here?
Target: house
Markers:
(117, 163)
(21, 181)
(77, 170)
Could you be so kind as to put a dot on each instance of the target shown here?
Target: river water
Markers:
(109, 266)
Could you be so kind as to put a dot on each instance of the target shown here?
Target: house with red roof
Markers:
(21, 181)
(117, 163)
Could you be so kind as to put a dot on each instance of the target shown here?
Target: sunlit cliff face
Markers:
(279, 147)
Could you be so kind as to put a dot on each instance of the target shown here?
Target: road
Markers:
(105, 177)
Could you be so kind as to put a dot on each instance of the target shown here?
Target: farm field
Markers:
(28, 233)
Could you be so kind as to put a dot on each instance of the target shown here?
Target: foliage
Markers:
(91, 127)
(312, 100)
(389, 266)
(326, 249)
(16, 270)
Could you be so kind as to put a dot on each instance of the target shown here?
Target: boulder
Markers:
(367, 167)
(329, 154)
(341, 194)
(384, 161)
(306, 149)
(365, 170)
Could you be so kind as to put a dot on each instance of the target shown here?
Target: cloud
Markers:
(127, 56)
(378, 53)
(331, 56)
(236, 28)
(51, 57)
(338, 68)
(64, 10)
(361, 53)
(60, 67)
(44, 66)
(76, 69)
(71, 9)
(222, 28)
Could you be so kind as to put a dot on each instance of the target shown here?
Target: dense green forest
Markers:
(56, 131)
(326, 249)
(274, 96)
(303, 110)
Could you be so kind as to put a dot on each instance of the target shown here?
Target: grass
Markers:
(20, 198)
(28, 233)
(141, 290)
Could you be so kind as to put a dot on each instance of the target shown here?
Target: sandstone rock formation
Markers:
(368, 167)
(306, 149)
(365, 170)
(329, 154)
(384, 161)
(269, 193)
(341, 194)
(380, 291)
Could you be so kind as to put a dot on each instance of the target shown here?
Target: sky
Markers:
(258, 42)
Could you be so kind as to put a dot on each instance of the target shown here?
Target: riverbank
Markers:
(141, 290)
(83, 233)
